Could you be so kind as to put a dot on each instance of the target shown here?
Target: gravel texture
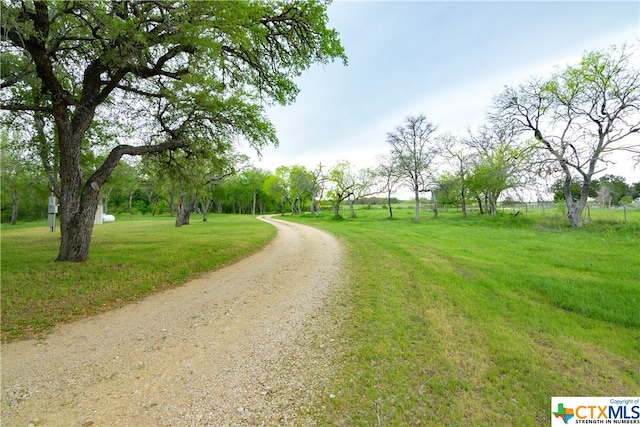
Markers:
(250, 344)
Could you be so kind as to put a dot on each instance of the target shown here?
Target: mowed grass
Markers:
(480, 321)
(129, 258)
(454, 321)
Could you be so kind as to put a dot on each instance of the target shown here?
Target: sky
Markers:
(444, 59)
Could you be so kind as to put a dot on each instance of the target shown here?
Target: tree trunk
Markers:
(417, 213)
(204, 213)
(131, 200)
(78, 203)
(76, 233)
(153, 201)
(15, 197)
(435, 205)
(106, 200)
(185, 207)
(389, 203)
(353, 211)
(574, 209)
(479, 200)
(575, 217)
(45, 154)
(205, 206)
(253, 206)
(463, 202)
(336, 209)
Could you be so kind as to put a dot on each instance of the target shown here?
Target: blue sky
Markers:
(446, 59)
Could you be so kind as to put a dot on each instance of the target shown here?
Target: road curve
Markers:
(212, 352)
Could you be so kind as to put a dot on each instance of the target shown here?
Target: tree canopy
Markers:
(180, 76)
(577, 118)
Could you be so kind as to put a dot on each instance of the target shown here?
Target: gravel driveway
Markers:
(250, 344)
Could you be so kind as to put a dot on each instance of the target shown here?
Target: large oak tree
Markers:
(193, 75)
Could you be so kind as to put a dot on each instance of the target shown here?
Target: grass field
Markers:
(480, 321)
(128, 259)
(454, 321)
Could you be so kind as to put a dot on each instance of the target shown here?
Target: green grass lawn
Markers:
(454, 321)
(128, 259)
(480, 321)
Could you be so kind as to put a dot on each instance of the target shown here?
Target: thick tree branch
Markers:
(24, 107)
(140, 91)
(100, 176)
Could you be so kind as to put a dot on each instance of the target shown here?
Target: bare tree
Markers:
(317, 188)
(577, 117)
(413, 152)
(604, 196)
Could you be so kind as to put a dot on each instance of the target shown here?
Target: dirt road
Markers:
(249, 344)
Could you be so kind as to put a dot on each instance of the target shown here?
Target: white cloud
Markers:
(444, 59)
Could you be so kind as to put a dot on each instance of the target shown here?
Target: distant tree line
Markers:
(234, 186)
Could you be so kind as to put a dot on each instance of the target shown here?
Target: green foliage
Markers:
(23, 189)
(186, 78)
(301, 185)
(558, 192)
(626, 200)
(276, 187)
(500, 164)
(448, 191)
(616, 185)
(635, 190)
(344, 183)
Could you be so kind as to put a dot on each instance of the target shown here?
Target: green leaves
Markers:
(196, 75)
(243, 52)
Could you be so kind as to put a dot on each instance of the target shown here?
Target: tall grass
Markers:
(480, 321)
(128, 259)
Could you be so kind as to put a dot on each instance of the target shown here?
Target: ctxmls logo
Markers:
(595, 410)
(565, 413)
